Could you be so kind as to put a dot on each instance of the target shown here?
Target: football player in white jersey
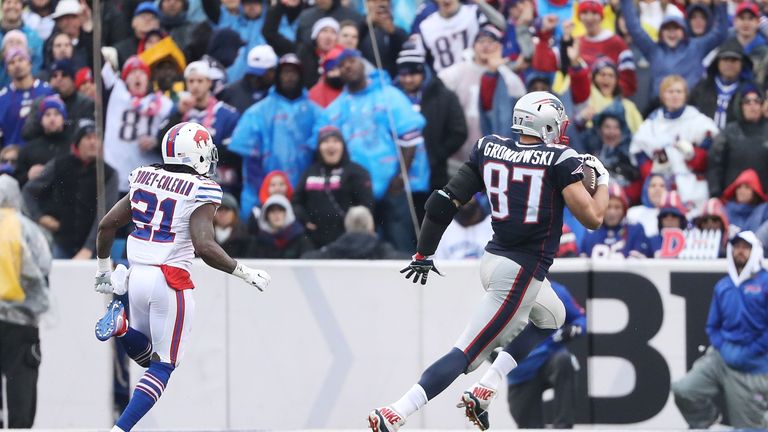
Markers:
(172, 206)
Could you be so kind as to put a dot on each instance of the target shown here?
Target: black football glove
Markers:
(420, 267)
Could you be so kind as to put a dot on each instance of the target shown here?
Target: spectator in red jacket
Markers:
(598, 42)
(330, 84)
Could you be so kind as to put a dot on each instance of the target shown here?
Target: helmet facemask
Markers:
(213, 159)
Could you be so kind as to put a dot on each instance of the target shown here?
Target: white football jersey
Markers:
(445, 39)
(126, 121)
(161, 205)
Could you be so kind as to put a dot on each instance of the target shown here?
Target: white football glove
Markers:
(255, 277)
(103, 282)
(603, 178)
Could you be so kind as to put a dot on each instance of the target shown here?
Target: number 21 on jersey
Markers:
(496, 178)
(143, 219)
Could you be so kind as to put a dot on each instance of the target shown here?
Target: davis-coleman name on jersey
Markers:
(536, 157)
(164, 182)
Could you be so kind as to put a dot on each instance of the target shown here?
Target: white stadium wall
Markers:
(328, 341)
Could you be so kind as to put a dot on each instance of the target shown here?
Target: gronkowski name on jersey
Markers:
(161, 205)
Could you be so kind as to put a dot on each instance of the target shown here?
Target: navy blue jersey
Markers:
(524, 184)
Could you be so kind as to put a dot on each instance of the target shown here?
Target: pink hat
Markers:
(12, 53)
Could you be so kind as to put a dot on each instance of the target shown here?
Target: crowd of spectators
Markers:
(319, 106)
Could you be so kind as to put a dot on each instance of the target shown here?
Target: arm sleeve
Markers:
(714, 321)
(627, 75)
(208, 191)
(515, 86)
(408, 122)
(581, 86)
(524, 41)
(362, 192)
(109, 76)
(635, 29)
(492, 15)
(544, 57)
(713, 38)
(32, 125)
(245, 138)
(456, 132)
(38, 246)
(34, 188)
(212, 9)
(271, 31)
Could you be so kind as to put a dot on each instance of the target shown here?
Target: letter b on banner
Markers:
(646, 312)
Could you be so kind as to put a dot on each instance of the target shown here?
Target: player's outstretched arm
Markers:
(204, 241)
(440, 208)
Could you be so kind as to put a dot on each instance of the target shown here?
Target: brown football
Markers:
(590, 179)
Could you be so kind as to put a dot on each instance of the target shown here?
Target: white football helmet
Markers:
(542, 115)
(190, 144)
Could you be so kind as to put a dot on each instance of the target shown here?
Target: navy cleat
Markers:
(475, 402)
(113, 323)
(385, 420)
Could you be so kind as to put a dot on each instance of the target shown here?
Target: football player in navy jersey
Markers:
(528, 183)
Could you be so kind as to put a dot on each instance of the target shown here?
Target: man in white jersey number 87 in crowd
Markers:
(172, 206)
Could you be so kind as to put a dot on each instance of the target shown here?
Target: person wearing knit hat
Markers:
(319, 208)
(15, 39)
(134, 116)
(198, 104)
(16, 99)
(20, 36)
(330, 84)
(605, 94)
(446, 128)
(593, 6)
(55, 104)
(616, 236)
(322, 24)
(84, 82)
(597, 43)
(52, 140)
(325, 39)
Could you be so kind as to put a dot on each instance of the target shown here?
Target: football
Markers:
(590, 179)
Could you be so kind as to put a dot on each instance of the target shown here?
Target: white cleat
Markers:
(385, 420)
(475, 402)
